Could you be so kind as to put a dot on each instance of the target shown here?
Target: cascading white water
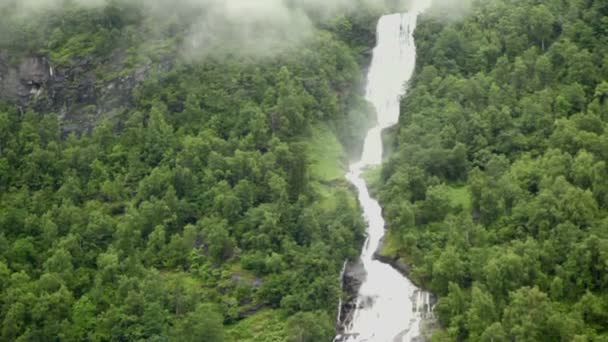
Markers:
(389, 306)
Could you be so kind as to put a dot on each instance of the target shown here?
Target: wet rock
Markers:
(86, 92)
(395, 263)
(424, 302)
(4, 66)
(21, 83)
(35, 71)
(354, 275)
(10, 86)
(80, 91)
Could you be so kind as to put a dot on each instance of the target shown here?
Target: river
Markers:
(389, 306)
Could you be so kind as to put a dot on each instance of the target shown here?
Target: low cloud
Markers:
(240, 26)
(251, 27)
(450, 10)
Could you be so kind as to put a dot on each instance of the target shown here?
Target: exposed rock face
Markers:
(354, 275)
(34, 71)
(22, 83)
(73, 92)
(395, 262)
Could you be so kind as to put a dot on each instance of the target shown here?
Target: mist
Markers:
(240, 26)
(450, 10)
(247, 27)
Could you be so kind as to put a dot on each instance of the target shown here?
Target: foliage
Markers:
(204, 200)
(509, 99)
(265, 326)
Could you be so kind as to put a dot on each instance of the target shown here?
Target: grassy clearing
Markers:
(328, 166)
(331, 194)
(184, 278)
(459, 196)
(326, 155)
(264, 326)
(372, 177)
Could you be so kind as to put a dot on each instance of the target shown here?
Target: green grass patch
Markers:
(329, 194)
(185, 278)
(459, 196)
(372, 177)
(328, 165)
(83, 44)
(326, 154)
(390, 246)
(264, 326)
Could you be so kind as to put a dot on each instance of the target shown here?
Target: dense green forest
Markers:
(497, 190)
(210, 206)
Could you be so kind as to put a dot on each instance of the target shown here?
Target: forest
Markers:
(208, 202)
(496, 193)
(210, 206)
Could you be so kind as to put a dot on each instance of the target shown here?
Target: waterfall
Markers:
(389, 306)
(341, 288)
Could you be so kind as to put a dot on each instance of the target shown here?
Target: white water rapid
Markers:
(389, 307)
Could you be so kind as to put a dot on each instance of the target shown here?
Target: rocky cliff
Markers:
(81, 93)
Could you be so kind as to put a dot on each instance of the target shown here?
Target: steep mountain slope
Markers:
(151, 190)
(496, 195)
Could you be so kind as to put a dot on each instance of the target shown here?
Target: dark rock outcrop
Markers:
(354, 275)
(20, 84)
(35, 71)
(395, 262)
(79, 92)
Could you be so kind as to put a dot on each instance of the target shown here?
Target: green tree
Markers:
(309, 327)
(203, 324)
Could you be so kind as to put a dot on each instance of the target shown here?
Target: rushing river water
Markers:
(389, 307)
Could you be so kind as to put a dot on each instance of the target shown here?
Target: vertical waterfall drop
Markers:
(389, 307)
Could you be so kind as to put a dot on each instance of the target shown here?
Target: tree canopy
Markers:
(199, 202)
(496, 193)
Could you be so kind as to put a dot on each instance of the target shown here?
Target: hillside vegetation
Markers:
(200, 208)
(511, 99)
